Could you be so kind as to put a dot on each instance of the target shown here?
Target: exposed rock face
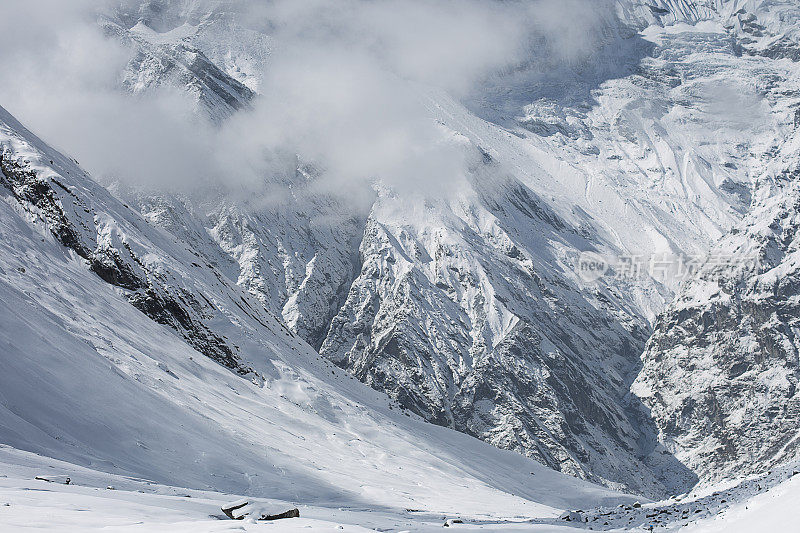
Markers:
(721, 369)
(491, 340)
(63, 198)
(178, 64)
(482, 329)
(297, 256)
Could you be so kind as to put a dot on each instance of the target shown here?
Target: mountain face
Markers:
(468, 307)
(453, 306)
(721, 369)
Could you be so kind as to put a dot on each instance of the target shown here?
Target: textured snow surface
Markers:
(774, 510)
(100, 501)
(96, 501)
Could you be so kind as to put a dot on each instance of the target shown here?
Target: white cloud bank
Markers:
(343, 87)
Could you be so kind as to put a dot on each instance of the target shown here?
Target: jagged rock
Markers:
(721, 369)
(291, 513)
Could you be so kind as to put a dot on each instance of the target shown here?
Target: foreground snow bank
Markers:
(774, 510)
(100, 501)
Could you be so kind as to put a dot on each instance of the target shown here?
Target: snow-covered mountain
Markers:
(721, 369)
(127, 353)
(443, 302)
(467, 307)
(664, 138)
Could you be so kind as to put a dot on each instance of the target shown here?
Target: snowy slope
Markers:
(711, 508)
(99, 501)
(91, 379)
(775, 510)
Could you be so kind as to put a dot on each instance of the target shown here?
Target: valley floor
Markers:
(97, 501)
(89, 504)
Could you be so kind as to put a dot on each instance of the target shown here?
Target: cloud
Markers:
(62, 77)
(348, 86)
(350, 82)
